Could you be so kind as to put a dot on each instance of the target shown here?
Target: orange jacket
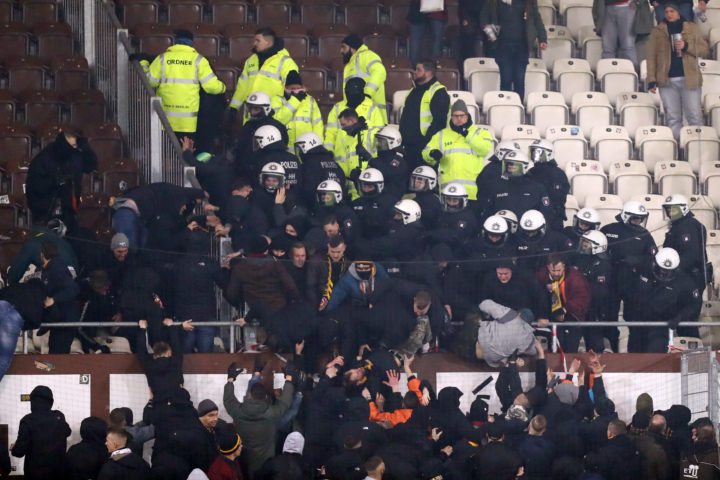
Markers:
(401, 415)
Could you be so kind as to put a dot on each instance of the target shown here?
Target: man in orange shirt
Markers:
(413, 398)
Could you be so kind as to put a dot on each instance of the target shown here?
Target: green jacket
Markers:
(255, 422)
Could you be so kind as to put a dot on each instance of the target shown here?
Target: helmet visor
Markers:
(452, 203)
(325, 198)
(637, 220)
(257, 144)
(299, 149)
(419, 183)
(673, 212)
(582, 226)
(586, 246)
(663, 274)
(513, 168)
(272, 181)
(383, 143)
(538, 154)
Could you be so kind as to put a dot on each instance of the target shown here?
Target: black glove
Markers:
(292, 371)
(652, 85)
(287, 95)
(301, 95)
(673, 322)
(355, 174)
(363, 154)
(103, 349)
(233, 371)
(464, 131)
(362, 124)
(436, 154)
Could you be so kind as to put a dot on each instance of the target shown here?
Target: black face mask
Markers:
(459, 129)
(355, 96)
(346, 56)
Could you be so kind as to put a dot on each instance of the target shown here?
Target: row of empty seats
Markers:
(30, 12)
(46, 40)
(36, 108)
(63, 74)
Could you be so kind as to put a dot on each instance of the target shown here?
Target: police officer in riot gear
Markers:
(374, 206)
(492, 170)
(259, 106)
(404, 240)
(423, 184)
(318, 165)
(534, 241)
(269, 147)
(457, 224)
(584, 220)
(390, 160)
(546, 172)
(329, 201)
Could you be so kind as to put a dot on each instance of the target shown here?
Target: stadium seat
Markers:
(239, 38)
(15, 39)
(360, 14)
(227, 71)
(636, 109)
(382, 40)
(447, 72)
(713, 248)
(710, 180)
(70, 73)
(53, 39)
(610, 143)
(119, 175)
(711, 106)
(137, 12)
(328, 39)
(482, 74)
(398, 78)
(314, 73)
(713, 40)
(616, 75)
(46, 134)
(547, 12)
(181, 12)
(272, 12)
(571, 208)
(608, 206)
(207, 38)
(654, 143)
(576, 13)
(228, 12)
(93, 212)
(12, 242)
(699, 143)
(469, 100)
(8, 212)
(296, 38)
(502, 108)
(17, 168)
(24, 74)
(153, 39)
(6, 11)
(106, 140)
(326, 100)
(313, 12)
(537, 78)
(41, 107)
(710, 70)
(398, 11)
(560, 44)
(591, 109)
(568, 142)
(629, 178)
(711, 309)
(523, 135)
(398, 100)
(586, 178)
(86, 107)
(573, 75)
(675, 176)
(590, 45)
(8, 106)
(39, 11)
(16, 141)
(547, 109)
(704, 210)
(657, 225)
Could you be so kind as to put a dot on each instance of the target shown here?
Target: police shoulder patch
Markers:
(696, 293)
(601, 279)
(394, 163)
(348, 223)
(545, 201)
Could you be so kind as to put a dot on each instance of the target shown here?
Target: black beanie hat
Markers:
(352, 41)
(293, 78)
(228, 442)
(205, 407)
(257, 244)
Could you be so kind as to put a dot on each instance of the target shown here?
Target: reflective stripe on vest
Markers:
(426, 116)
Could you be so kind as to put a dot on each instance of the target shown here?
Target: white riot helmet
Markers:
(264, 136)
(593, 242)
(515, 164)
(504, 147)
(451, 192)
(328, 193)
(409, 210)
(374, 177)
(495, 225)
(510, 218)
(423, 175)
(306, 142)
(532, 224)
(260, 99)
(667, 261)
(542, 151)
(272, 176)
(675, 207)
(586, 219)
(388, 138)
(634, 214)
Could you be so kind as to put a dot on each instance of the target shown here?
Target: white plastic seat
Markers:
(469, 100)
(610, 143)
(591, 109)
(560, 44)
(397, 105)
(704, 210)
(713, 40)
(655, 143)
(628, 178)
(713, 249)
(699, 143)
(636, 109)
(523, 135)
(590, 43)
(537, 78)
(569, 143)
(616, 75)
(502, 108)
(547, 109)
(656, 223)
(573, 75)
(675, 176)
(607, 206)
(586, 177)
(711, 106)
(571, 208)
(548, 12)
(710, 181)
(710, 70)
(710, 312)
(713, 19)
(576, 14)
(482, 75)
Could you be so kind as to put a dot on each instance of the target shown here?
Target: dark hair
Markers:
(70, 131)
(617, 427)
(372, 464)
(298, 246)
(348, 113)
(266, 32)
(706, 434)
(120, 432)
(428, 65)
(351, 442)
(330, 219)
(121, 416)
(335, 241)
(411, 401)
(161, 348)
(555, 258)
(239, 184)
(539, 423)
(49, 250)
(422, 299)
(259, 392)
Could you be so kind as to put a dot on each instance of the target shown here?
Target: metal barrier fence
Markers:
(699, 383)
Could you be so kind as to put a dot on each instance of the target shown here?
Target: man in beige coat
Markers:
(672, 64)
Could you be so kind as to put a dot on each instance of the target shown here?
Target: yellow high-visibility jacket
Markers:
(367, 109)
(346, 156)
(298, 117)
(268, 77)
(367, 65)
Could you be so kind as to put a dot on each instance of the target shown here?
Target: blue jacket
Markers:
(348, 287)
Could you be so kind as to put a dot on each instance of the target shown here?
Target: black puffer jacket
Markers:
(85, 459)
(125, 467)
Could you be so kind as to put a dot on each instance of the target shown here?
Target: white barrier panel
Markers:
(72, 398)
(622, 388)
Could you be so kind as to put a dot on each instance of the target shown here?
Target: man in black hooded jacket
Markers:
(42, 438)
(85, 459)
